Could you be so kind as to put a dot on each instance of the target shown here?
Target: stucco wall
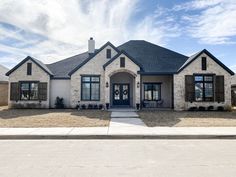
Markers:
(193, 68)
(60, 88)
(38, 74)
(92, 67)
(3, 93)
(131, 68)
(166, 88)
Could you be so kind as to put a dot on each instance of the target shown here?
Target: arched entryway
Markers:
(122, 91)
(233, 94)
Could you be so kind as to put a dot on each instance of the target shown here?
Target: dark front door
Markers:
(121, 94)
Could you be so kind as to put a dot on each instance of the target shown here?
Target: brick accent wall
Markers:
(195, 68)
(38, 74)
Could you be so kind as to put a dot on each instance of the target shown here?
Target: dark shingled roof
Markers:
(153, 58)
(62, 68)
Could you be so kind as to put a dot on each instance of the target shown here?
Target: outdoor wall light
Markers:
(107, 85)
(138, 84)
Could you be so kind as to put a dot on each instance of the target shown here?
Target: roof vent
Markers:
(91, 46)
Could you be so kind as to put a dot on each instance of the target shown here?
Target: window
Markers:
(29, 68)
(204, 63)
(29, 91)
(152, 91)
(108, 53)
(122, 62)
(203, 87)
(90, 88)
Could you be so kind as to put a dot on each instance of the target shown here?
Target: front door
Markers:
(121, 94)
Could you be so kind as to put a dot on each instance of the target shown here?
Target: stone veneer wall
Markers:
(131, 68)
(3, 93)
(38, 74)
(92, 67)
(193, 68)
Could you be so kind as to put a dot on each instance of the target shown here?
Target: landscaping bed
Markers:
(188, 119)
(53, 118)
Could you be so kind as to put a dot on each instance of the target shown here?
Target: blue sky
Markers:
(53, 30)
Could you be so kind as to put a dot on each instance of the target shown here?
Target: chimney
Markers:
(91, 46)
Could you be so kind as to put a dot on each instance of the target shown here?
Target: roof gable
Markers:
(195, 56)
(116, 56)
(93, 55)
(37, 62)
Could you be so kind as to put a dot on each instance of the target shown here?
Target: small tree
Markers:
(59, 103)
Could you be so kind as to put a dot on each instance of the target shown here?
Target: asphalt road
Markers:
(108, 158)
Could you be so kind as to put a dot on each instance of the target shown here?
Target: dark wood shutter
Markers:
(189, 88)
(29, 68)
(15, 91)
(108, 53)
(122, 62)
(219, 89)
(204, 63)
(43, 91)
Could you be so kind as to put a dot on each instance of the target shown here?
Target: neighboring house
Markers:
(3, 86)
(136, 73)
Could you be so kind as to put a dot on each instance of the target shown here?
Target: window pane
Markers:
(117, 92)
(208, 78)
(25, 91)
(208, 91)
(86, 91)
(156, 91)
(125, 92)
(148, 92)
(34, 91)
(198, 78)
(198, 91)
(95, 91)
(95, 79)
(86, 79)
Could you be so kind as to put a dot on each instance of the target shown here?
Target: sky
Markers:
(57, 29)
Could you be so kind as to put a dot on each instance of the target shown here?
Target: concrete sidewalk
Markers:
(120, 132)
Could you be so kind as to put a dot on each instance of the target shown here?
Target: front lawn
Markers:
(53, 118)
(188, 119)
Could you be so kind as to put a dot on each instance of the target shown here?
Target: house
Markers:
(134, 74)
(3, 86)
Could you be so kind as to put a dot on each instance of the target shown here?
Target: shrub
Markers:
(210, 108)
(83, 106)
(100, 106)
(202, 108)
(228, 108)
(95, 106)
(192, 109)
(90, 106)
(220, 108)
(59, 103)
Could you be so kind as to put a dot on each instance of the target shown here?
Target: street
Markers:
(108, 158)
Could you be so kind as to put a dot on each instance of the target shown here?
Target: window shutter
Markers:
(43, 91)
(189, 88)
(15, 91)
(219, 89)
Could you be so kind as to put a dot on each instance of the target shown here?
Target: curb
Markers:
(115, 137)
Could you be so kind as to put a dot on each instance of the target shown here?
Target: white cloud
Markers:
(213, 23)
(65, 26)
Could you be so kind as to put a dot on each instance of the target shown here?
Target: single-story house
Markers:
(135, 74)
(3, 86)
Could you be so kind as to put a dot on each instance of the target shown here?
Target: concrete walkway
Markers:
(121, 132)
